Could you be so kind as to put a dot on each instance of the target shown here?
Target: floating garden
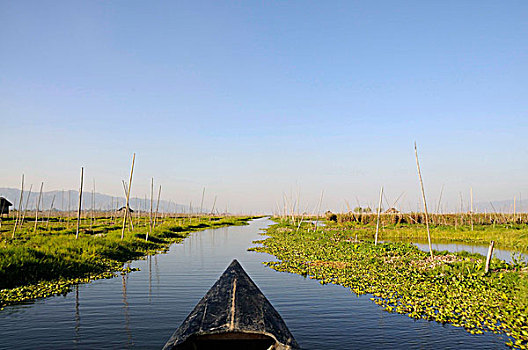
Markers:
(450, 288)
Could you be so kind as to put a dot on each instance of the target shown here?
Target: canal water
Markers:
(142, 310)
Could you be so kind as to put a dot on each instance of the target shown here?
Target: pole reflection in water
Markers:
(77, 337)
(156, 269)
(149, 258)
(125, 310)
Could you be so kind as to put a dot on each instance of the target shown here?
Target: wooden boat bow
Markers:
(233, 314)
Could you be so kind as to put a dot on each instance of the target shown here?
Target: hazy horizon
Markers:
(257, 101)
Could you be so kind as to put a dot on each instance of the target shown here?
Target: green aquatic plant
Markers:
(448, 288)
(506, 236)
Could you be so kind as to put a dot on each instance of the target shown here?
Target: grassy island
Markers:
(46, 259)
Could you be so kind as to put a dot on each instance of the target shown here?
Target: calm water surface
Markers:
(142, 310)
(501, 254)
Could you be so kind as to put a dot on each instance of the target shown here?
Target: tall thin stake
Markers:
(214, 205)
(93, 206)
(131, 222)
(19, 212)
(69, 207)
(201, 203)
(471, 212)
(514, 211)
(424, 201)
(79, 208)
(62, 206)
(378, 220)
(438, 207)
(157, 206)
(38, 207)
(488, 257)
(26, 206)
(151, 203)
(49, 212)
(112, 211)
(318, 210)
(128, 197)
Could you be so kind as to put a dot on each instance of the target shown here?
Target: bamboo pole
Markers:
(471, 212)
(79, 208)
(488, 258)
(93, 206)
(201, 203)
(300, 222)
(157, 207)
(318, 210)
(514, 211)
(62, 205)
(19, 212)
(37, 208)
(138, 213)
(294, 206)
(128, 197)
(298, 201)
(424, 201)
(49, 212)
(26, 206)
(4, 205)
(190, 211)
(168, 211)
(112, 210)
(130, 222)
(378, 219)
(285, 206)
(439, 200)
(214, 204)
(151, 221)
(69, 208)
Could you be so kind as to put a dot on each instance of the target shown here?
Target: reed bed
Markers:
(454, 219)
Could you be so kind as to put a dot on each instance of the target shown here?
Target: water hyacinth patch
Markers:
(450, 288)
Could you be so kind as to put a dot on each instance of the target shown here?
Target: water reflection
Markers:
(149, 258)
(129, 342)
(77, 337)
(156, 268)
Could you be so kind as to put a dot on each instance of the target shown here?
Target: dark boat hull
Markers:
(234, 314)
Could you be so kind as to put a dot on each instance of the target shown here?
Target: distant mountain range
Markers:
(102, 201)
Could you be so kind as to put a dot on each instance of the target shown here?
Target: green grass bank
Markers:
(49, 260)
(513, 237)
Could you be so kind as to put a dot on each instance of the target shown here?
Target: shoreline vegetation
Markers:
(508, 231)
(44, 258)
(450, 288)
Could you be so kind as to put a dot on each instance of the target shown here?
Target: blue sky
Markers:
(255, 99)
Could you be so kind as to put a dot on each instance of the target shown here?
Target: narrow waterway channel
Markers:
(141, 310)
